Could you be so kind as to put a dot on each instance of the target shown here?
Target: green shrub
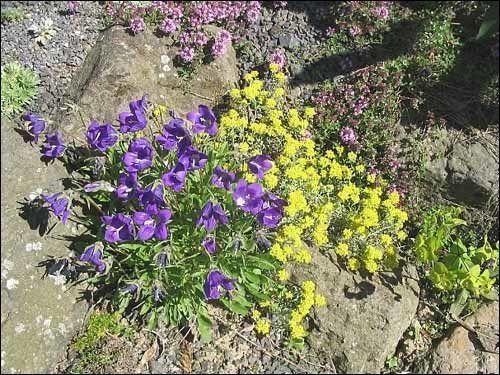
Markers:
(451, 265)
(10, 15)
(19, 88)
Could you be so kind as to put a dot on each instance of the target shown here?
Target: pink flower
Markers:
(277, 57)
(168, 26)
(330, 31)
(381, 12)
(354, 31)
(137, 25)
(187, 54)
(200, 39)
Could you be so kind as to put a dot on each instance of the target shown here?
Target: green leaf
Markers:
(458, 305)
(490, 23)
(235, 307)
(204, 325)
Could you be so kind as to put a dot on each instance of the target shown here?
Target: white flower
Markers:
(11, 283)
(35, 194)
(58, 279)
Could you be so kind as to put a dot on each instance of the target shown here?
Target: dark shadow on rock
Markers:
(364, 289)
(60, 266)
(27, 137)
(36, 216)
(390, 280)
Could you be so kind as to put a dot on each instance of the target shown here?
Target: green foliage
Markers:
(11, 15)
(490, 23)
(453, 266)
(87, 345)
(19, 88)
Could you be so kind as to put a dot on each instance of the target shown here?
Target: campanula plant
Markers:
(176, 224)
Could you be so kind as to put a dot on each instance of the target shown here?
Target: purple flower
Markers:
(58, 206)
(176, 177)
(203, 120)
(130, 289)
(119, 228)
(127, 186)
(36, 125)
(272, 210)
(134, 120)
(259, 165)
(347, 135)
(187, 54)
(214, 281)
(54, 146)
(174, 133)
(152, 196)
(93, 254)
(153, 222)
(219, 49)
(209, 244)
(222, 179)
(137, 24)
(139, 155)
(211, 215)
(192, 158)
(248, 197)
(101, 137)
(224, 36)
(162, 259)
(98, 186)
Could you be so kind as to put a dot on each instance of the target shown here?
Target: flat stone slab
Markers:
(39, 316)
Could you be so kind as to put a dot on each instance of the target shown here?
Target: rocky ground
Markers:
(376, 309)
(64, 53)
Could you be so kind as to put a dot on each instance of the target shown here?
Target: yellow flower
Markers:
(360, 168)
(244, 147)
(297, 331)
(274, 68)
(270, 180)
(353, 264)
(235, 93)
(373, 253)
(347, 233)
(263, 326)
(319, 300)
(270, 103)
(309, 112)
(339, 149)
(279, 92)
(280, 77)
(159, 110)
(283, 275)
(371, 177)
(288, 295)
(342, 249)
(330, 154)
(370, 265)
(303, 256)
(385, 239)
(402, 235)
(352, 156)
(308, 286)
(265, 303)
(250, 177)
(256, 314)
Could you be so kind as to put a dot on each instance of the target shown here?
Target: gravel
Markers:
(61, 56)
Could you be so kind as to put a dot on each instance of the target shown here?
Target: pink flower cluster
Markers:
(187, 19)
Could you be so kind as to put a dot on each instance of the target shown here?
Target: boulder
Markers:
(39, 315)
(122, 67)
(463, 351)
(364, 319)
(466, 172)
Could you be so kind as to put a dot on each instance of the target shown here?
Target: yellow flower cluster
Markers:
(309, 299)
(364, 217)
(263, 326)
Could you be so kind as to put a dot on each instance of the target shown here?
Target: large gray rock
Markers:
(466, 172)
(364, 319)
(464, 352)
(39, 316)
(121, 68)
